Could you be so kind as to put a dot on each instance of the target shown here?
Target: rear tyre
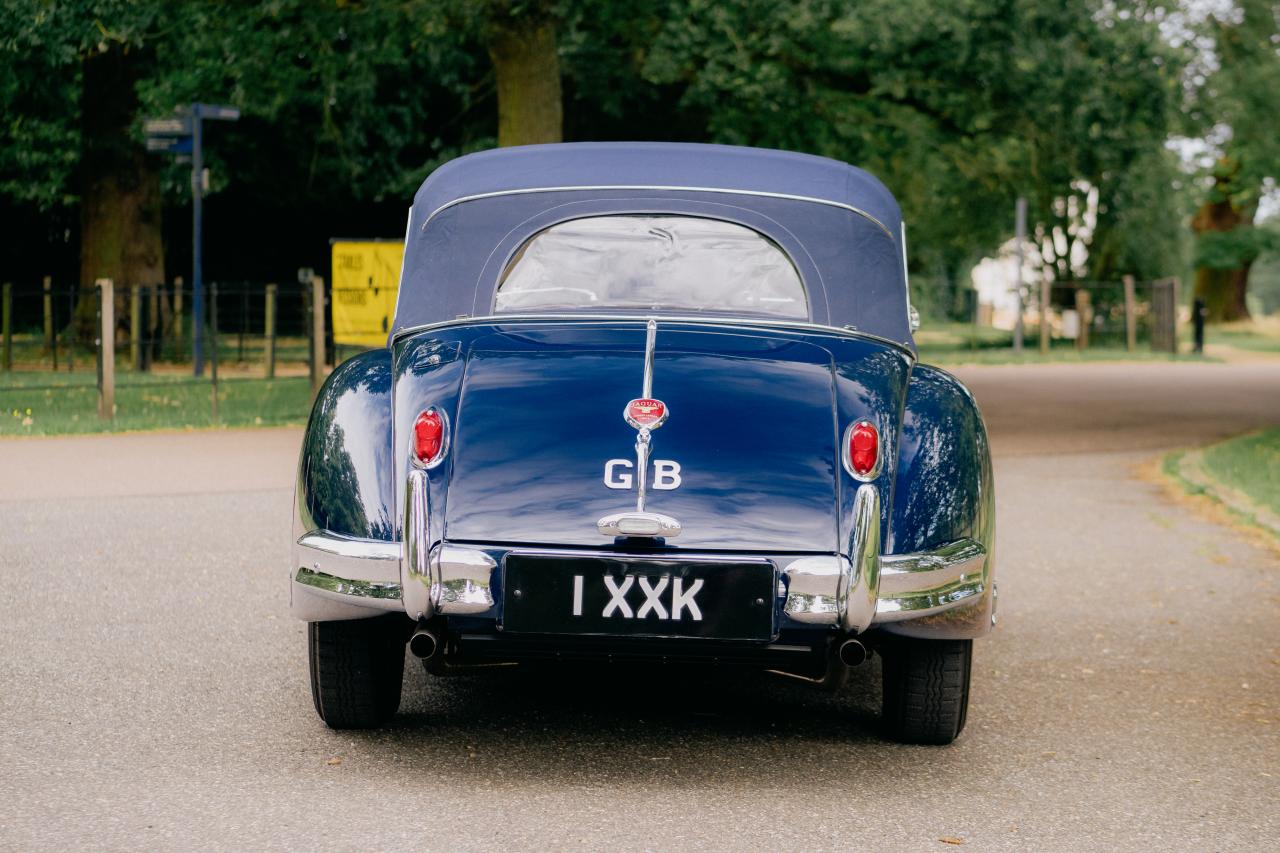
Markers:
(926, 689)
(356, 670)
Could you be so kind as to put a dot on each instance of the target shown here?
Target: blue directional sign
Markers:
(170, 144)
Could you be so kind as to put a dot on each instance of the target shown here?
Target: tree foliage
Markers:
(958, 105)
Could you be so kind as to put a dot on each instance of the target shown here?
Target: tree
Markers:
(958, 106)
(1237, 101)
(71, 99)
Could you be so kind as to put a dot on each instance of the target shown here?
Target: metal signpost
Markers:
(184, 136)
(1020, 227)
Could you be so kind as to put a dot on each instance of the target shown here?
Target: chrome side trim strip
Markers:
(916, 585)
(349, 546)
(384, 596)
(755, 193)
(726, 322)
(415, 572)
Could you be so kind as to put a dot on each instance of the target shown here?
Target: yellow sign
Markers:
(366, 275)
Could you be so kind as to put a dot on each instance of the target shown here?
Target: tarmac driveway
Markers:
(153, 688)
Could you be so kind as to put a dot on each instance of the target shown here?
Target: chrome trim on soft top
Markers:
(613, 187)
(730, 322)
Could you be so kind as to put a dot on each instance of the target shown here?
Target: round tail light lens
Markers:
(428, 436)
(864, 450)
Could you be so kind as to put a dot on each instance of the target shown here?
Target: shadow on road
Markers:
(563, 724)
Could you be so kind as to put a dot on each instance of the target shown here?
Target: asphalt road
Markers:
(153, 688)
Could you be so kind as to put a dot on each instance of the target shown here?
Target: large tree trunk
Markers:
(1222, 289)
(527, 67)
(120, 200)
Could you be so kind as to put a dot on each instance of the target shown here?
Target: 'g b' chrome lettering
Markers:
(666, 474)
(612, 478)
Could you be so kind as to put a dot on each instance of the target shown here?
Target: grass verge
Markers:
(1242, 474)
(951, 344)
(50, 404)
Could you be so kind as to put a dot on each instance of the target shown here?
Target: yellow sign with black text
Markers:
(366, 275)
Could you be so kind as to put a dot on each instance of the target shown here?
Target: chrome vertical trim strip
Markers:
(642, 438)
(415, 572)
(642, 467)
(650, 340)
(864, 554)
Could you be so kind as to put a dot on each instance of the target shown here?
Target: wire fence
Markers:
(52, 351)
(1125, 314)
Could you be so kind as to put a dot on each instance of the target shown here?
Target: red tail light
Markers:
(863, 450)
(428, 436)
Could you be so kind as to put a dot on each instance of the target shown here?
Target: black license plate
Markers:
(630, 596)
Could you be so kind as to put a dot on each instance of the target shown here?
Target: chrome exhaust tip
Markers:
(852, 653)
(423, 644)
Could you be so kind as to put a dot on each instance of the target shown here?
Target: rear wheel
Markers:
(926, 688)
(356, 670)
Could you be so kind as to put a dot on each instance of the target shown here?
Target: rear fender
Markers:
(343, 523)
(344, 482)
(944, 492)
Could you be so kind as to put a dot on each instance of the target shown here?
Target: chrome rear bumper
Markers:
(944, 592)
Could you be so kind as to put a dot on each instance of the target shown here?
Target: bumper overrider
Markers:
(946, 592)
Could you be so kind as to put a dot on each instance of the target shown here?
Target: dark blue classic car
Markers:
(651, 403)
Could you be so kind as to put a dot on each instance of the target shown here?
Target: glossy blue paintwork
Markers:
(944, 466)
(756, 416)
(345, 472)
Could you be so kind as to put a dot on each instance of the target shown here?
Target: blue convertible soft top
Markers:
(840, 226)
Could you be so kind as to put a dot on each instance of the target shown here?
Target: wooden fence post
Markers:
(107, 350)
(317, 333)
(135, 327)
(1046, 297)
(1130, 314)
(72, 296)
(6, 324)
(1083, 300)
(269, 330)
(177, 312)
(49, 342)
(213, 345)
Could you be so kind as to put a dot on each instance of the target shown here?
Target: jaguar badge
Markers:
(646, 413)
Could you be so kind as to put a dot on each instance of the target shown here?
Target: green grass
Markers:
(1258, 336)
(1249, 464)
(950, 344)
(57, 404)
